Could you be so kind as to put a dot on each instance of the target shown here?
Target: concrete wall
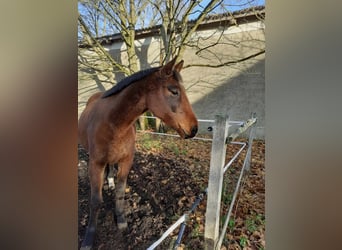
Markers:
(237, 89)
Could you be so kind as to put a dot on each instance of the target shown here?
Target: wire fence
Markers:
(214, 240)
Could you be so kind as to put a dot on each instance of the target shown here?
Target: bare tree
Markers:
(99, 18)
(178, 22)
(105, 16)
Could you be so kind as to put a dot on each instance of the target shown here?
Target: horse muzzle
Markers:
(193, 132)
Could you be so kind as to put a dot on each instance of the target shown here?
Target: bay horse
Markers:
(106, 129)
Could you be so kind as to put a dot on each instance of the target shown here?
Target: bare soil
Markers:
(167, 175)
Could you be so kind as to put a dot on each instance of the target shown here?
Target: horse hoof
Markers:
(85, 248)
(89, 238)
(121, 222)
(122, 225)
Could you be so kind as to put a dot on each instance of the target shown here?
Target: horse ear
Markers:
(178, 67)
(168, 68)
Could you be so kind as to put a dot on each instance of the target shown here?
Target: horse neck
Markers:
(128, 105)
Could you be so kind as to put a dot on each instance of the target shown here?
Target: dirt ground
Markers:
(167, 175)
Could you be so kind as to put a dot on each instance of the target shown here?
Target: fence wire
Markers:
(183, 219)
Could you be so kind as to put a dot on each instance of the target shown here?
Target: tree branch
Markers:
(225, 63)
(94, 43)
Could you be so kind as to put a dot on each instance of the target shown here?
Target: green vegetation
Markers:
(243, 241)
(148, 142)
(176, 150)
(252, 223)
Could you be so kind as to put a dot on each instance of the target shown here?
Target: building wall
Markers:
(237, 89)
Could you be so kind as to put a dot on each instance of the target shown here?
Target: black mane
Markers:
(128, 81)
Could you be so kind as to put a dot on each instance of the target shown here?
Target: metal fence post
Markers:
(250, 143)
(217, 159)
(249, 150)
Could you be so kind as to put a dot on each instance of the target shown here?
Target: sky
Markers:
(230, 5)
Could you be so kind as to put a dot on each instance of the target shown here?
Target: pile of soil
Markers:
(167, 176)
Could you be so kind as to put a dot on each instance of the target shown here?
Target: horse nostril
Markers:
(194, 131)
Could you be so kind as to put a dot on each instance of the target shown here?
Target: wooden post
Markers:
(217, 159)
(142, 123)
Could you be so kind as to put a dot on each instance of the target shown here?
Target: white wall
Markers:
(236, 89)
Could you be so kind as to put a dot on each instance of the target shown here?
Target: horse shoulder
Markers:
(122, 145)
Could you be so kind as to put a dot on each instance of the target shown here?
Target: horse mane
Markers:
(128, 81)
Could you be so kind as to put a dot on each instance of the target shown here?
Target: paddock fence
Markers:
(220, 127)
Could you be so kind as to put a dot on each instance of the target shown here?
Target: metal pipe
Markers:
(237, 143)
(182, 220)
(201, 120)
(219, 243)
(192, 209)
(173, 135)
(180, 236)
(157, 133)
(234, 157)
(242, 129)
(204, 120)
(167, 232)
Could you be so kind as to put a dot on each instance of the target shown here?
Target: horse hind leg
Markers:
(123, 170)
(96, 172)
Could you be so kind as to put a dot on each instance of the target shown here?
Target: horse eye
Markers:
(174, 90)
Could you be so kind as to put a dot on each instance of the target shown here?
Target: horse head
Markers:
(168, 101)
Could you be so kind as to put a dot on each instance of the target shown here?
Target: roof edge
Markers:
(227, 18)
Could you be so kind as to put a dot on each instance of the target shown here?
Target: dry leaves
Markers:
(167, 175)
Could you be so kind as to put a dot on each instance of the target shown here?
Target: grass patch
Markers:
(177, 150)
(149, 142)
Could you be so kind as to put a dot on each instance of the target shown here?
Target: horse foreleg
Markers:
(110, 176)
(124, 167)
(96, 181)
